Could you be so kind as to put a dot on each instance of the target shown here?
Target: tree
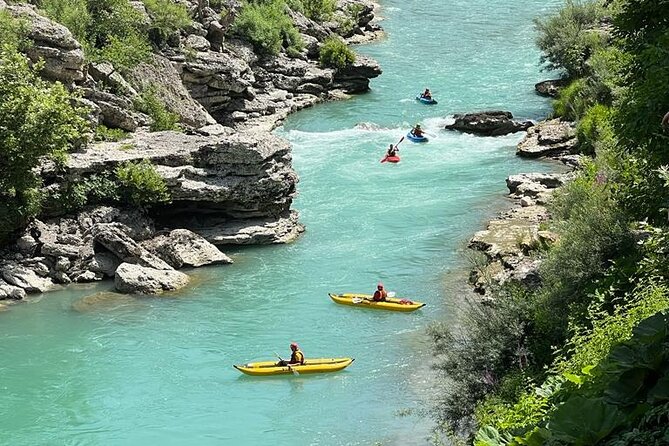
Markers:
(37, 120)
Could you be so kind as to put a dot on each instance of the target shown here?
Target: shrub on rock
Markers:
(336, 54)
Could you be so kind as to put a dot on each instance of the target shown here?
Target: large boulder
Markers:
(553, 138)
(25, 278)
(182, 247)
(125, 248)
(488, 123)
(52, 43)
(13, 292)
(136, 279)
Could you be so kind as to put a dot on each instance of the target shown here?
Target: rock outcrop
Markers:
(551, 138)
(488, 123)
(508, 241)
(53, 44)
(550, 88)
(136, 279)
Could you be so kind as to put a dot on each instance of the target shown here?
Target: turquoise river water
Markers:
(159, 370)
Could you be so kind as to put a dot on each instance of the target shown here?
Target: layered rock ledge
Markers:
(229, 179)
(553, 138)
(509, 240)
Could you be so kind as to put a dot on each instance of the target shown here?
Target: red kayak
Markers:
(391, 159)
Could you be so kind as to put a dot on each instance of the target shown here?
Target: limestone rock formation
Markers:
(136, 279)
(182, 247)
(508, 241)
(488, 123)
(25, 278)
(53, 43)
(552, 138)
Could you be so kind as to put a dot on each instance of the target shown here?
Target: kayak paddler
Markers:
(417, 131)
(380, 294)
(392, 150)
(296, 356)
(426, 94)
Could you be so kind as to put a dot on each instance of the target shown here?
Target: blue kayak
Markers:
(425, 100)
(415, 138)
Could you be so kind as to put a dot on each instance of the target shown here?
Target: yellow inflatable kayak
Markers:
(267, 368)
(365, 301)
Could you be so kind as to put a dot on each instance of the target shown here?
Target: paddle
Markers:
(295, 372)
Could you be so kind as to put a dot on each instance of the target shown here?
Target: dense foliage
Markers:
(318, 10)
(267, 25)
(583, 358)
(141, 184)
(37, 120)
(336, 54)
(114, 30)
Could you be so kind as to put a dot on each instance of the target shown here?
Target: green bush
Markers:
(166, 18)
(268, 27)
(162, 119)
(471, 362)
(318, 10)
(567, 38)
(141, 184)
(103, 133)
(336, 54)
(37, 120)
(572, 101)
(73, 14)
(595, 129)
(12, 32)
(109, 30)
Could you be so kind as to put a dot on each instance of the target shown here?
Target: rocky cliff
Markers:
(230, 180)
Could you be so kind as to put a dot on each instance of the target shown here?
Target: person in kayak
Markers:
(392, 151)
(417, 131)
(426, 94)
(296, 356)
(380, 294)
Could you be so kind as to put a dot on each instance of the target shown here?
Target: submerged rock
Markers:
(136, 279)
(103, 301)
(488, 123)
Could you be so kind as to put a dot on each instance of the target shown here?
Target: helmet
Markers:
(294, 346)
(417, 126)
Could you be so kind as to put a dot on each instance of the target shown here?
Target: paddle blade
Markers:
(384, 159)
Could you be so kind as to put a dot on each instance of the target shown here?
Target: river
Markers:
(159, 370)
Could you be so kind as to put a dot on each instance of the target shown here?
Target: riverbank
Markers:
(510, 243)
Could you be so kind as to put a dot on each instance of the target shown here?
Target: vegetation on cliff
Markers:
(583, 358)
(37, 120)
